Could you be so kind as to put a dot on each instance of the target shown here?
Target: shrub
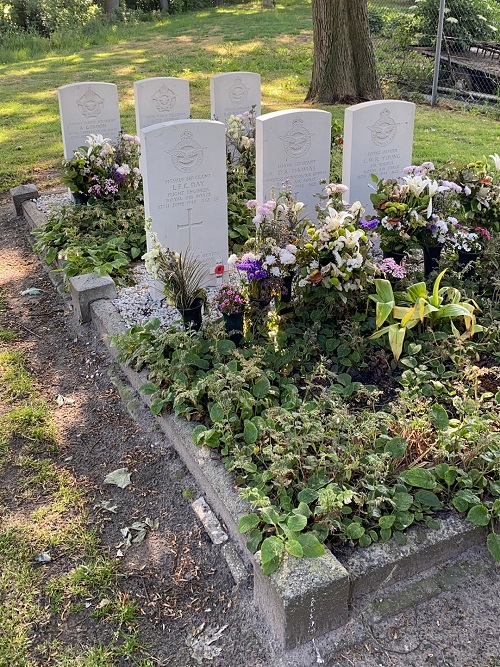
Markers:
(466, 22)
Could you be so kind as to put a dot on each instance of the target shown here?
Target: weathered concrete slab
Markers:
(23, 193)
(424, 549)
(86, 289)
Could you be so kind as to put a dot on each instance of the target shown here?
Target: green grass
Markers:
(275, 43)
(50, 516)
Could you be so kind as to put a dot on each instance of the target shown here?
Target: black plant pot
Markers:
(468, 259)
(286, 291)
(259, 304)
(431, 259)
(193, 316)
(80, 198)
(392, 254)
(233, 323)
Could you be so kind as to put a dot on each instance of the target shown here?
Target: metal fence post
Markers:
(437, 60)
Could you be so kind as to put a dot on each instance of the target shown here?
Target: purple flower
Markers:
(253, 269)
(370, 225)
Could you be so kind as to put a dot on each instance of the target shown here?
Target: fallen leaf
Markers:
(31, 291)
(107, 505)
(119, 477)
(64, 400)
(43, 558)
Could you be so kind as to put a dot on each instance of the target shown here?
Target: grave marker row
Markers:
(184, 161)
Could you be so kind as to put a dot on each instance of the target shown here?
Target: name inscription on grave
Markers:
(384, 163)
(188, 190)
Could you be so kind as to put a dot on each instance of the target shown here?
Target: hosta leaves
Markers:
(225, 346)
(439, 417)
(254, 540)
(310, 544)
(250, 432)
(478, 515)
(419, 477)
(428, 499)
(271, 554)
(493, 544)
(396, 447)
(294, 548)
(296, 522)
(247, 522)
(355, 530)
(261, 387)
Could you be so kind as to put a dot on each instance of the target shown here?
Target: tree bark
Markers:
(165, 5)
(344, 68)
(111, 5)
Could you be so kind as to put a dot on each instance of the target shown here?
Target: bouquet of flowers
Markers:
(229, 299)
(468, 239)
(240, 140)
(410, 211)
(480, 195)
(272, 253)
(102, 170)
(335, 254)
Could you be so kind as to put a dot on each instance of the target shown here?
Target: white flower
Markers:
(287, 258)
(275, 271)
(297, 206)
(270, 259)
(233, 259)
(245, 142)
(496, 160)
(291, 248)
(123, 170)
(416, 184)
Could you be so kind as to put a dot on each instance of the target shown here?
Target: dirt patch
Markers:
(178, 578)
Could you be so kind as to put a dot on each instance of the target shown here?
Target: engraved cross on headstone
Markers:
(189, 225)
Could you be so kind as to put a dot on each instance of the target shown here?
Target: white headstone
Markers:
(233, 93)
(185, 190)
(378, 139)
(161, 99)
(293, 146)
(88, 108)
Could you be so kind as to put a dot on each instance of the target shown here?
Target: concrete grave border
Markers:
(306, 598)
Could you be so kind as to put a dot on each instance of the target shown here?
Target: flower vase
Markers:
(392, 254)
(193, 316)
(431, 259)
(233, 323)
(80, 199)
(466, 260)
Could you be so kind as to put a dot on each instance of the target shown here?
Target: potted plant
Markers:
(270, 260)
(412, 212)
(231, 304)
(183, 277)
(469, 244)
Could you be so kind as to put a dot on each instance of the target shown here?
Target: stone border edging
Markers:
(305, 598)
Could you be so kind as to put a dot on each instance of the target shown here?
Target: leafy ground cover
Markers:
(277, 44)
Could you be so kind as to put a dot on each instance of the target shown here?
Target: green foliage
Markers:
(93, 238)
(435, 309)
(466, 22)
(45, 16)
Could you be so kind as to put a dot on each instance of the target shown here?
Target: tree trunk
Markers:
(268, 4)
(344, 63)
(165, 5)
(111, 5)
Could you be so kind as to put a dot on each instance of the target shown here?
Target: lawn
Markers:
(275, 43)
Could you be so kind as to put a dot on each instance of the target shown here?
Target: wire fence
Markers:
(405, 32)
